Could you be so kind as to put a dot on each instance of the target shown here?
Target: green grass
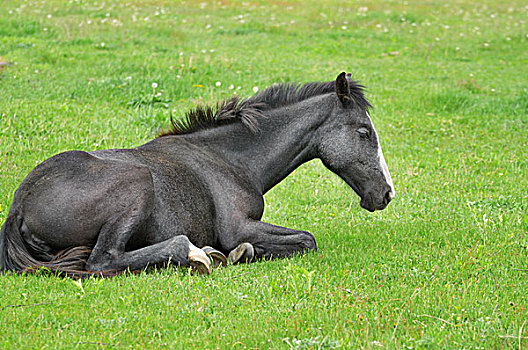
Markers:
(439, 268)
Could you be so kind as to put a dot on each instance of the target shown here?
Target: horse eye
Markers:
(363, 132)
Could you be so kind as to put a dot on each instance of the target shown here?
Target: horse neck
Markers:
(285, 141)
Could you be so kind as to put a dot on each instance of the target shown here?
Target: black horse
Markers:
(199, 185)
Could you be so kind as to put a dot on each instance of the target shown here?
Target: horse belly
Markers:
(183, 206)
(194, 220)
(68, 198)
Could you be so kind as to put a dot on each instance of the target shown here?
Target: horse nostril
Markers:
(388, 196)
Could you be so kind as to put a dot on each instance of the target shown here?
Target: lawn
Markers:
(444, 266)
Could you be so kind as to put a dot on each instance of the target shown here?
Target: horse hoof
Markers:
(217, 257)
(199, 262)
(244, 253)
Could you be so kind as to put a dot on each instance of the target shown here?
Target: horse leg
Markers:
(257, 240)
(177, 250)
(109, 251)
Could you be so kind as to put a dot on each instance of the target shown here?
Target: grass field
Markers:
(444, 266)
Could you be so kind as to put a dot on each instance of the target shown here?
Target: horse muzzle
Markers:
(372, 202)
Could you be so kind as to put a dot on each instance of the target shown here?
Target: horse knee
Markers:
(308, 241)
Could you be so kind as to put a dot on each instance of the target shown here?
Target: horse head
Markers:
(348, 145)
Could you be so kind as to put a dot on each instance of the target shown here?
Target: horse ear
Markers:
(342, 89)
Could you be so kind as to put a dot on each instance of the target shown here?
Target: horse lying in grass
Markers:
(201, 184)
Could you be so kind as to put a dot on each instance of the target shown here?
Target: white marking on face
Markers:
(385, 170)
(383, 166)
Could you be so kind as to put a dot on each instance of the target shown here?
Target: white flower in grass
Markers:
(218, 83)
(154, 85)
(102, 44)
(255, 89)
(231, 87)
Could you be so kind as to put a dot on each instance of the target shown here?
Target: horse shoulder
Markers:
(204, 181)
(235, 195)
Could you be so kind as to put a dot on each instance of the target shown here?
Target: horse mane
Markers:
(250, 110)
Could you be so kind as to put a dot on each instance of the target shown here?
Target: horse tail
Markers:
(14, 253)
(18, 255)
